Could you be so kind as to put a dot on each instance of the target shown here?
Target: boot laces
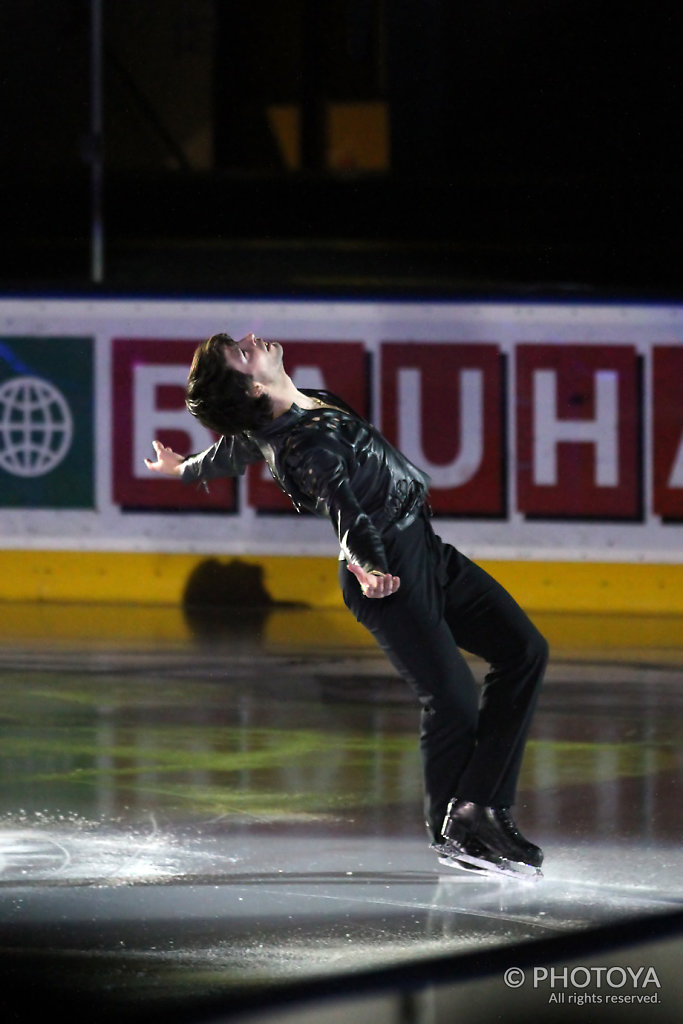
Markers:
(508, 823)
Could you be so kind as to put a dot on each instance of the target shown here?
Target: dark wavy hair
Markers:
(219, 396)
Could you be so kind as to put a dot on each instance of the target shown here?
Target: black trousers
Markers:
(471, 742)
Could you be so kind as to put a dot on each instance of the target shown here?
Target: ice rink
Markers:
(227, 824)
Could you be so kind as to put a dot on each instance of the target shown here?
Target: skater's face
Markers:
(261, 359)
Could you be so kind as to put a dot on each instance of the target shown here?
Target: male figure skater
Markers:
(420, 598)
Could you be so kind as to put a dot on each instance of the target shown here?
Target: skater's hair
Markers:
(220, 397)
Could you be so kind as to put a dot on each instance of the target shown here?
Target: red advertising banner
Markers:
(337, 366)
(577, 409)
(667, 431)
(442, 405)
(148, 403)
(578, 431)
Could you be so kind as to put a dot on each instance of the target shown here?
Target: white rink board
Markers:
(514, 534)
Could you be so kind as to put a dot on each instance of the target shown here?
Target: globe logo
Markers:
(36, 426)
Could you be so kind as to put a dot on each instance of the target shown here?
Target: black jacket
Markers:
(330, 462)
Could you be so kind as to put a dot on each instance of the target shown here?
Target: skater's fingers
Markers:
(375, 584)
(382, 586)
(392, 583)
(165, 460)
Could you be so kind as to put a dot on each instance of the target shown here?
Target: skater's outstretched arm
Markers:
(228, 457)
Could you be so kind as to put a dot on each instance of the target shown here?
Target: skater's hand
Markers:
(375, 584)
(167, 461)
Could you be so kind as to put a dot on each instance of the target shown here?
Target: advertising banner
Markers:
(46, 422)
(548, 430)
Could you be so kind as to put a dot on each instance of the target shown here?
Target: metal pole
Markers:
(313, 114)
(96, 144)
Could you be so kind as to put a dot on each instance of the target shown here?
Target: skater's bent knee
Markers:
(534, 653)
(540, 649)
(537, 654)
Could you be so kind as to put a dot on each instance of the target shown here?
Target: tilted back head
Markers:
(220, 397)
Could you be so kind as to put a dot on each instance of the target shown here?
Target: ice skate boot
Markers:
(487, 838)
(531, 854)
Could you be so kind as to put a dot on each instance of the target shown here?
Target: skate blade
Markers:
(457, 857)
(516, 869)
(470, 869)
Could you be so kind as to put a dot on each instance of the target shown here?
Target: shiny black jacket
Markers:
(330, 462)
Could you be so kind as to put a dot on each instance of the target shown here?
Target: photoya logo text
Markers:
(581, 984)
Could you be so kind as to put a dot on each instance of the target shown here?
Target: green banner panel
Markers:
(46, 422)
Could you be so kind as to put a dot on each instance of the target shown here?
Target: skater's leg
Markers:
(485, 619)
(449, 699)
(409, 627)
(488, 622)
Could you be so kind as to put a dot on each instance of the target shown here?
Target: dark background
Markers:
(525, 146)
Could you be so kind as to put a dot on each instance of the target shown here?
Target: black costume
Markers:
(332, 462)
